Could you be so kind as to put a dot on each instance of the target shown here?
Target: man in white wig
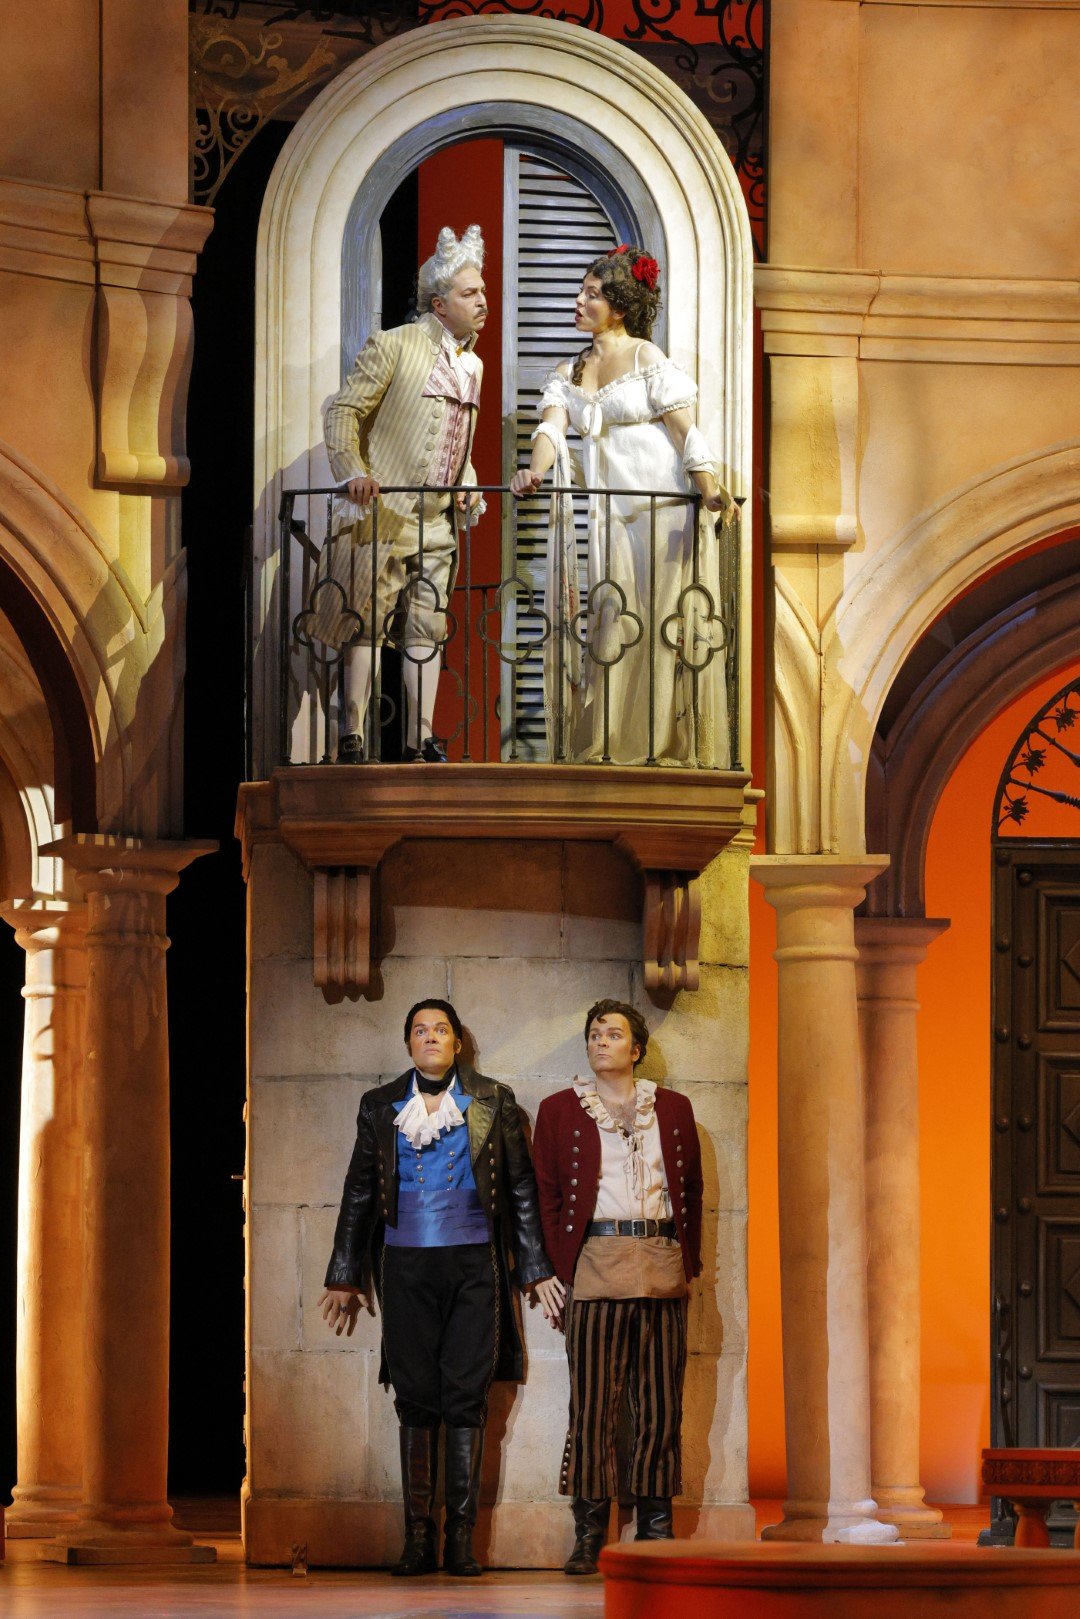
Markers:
(406, 415)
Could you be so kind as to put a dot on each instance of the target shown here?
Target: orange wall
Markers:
(954, 1059)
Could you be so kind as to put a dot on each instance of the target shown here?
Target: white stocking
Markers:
(357, 687)
(422, 703)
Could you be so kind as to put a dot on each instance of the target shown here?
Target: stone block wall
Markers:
(522, 938)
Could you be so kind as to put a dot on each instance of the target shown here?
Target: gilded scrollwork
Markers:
(252, 60)
(258, 59)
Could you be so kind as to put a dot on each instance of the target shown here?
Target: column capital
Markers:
(901, 940)
(109, 861)
(41, 922)
(832, 880)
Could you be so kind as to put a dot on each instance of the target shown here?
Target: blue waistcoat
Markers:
(438, 1204)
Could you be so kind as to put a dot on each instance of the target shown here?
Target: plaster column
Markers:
(48, 1333)
(822, 1199)
(124, 1515)
(891, 949)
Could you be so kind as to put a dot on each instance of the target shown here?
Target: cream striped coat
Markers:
(382, 425)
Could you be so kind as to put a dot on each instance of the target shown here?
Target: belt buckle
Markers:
(639, 1228)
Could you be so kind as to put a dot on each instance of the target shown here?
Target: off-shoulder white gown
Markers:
(668, 629)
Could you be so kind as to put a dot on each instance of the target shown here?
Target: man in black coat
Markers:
(439, 1198)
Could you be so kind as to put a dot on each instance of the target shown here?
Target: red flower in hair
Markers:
(623, 247)
(647, 270)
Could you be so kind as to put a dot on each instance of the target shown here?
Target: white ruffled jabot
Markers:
(419, 1127)
(634, 1144)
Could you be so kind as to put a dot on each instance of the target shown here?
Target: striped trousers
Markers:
(635, 1347)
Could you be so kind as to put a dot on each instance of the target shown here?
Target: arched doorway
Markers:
(1035, 1157)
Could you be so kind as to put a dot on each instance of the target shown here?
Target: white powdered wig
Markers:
(437, 273)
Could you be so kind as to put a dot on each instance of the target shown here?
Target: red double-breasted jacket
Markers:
(566, 1158)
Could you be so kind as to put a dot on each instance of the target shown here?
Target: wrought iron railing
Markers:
(613, 639)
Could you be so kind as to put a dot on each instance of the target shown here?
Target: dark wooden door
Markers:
(1035, 1264)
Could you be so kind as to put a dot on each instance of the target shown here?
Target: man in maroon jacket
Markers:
(618, 1170)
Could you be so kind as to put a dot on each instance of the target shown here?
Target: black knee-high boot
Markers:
(463, 1453)
(419, 1464)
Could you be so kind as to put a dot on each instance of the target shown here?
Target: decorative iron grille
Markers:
(1042, 767)
(580, 631)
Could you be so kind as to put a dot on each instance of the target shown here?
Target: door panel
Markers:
(553, 227)
(1036, 1153)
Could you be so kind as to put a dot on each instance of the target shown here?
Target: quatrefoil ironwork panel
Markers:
(586, 639)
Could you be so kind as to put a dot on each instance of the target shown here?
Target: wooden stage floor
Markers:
(228, 1590)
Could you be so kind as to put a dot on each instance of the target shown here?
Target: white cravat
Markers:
(463, 361)
(419, 1127)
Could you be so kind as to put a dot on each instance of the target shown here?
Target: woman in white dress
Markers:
(651, 619)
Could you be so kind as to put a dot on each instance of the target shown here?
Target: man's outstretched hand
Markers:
(341, 1307)
(362, 491)
(552, 1296)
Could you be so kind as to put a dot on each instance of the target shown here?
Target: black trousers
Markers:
(440, 1332)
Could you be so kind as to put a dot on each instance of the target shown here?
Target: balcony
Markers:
(579, 688)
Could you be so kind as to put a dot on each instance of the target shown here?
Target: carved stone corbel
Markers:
(671, 930)
(145, 254)
(341, 821)
(346, 928)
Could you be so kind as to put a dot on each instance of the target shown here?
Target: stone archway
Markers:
(997, 652)
(926, 566)
(426, 78)
(87, 637)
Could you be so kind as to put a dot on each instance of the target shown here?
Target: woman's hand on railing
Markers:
(714, 497)
(719, 501)
(362, 491)
(526, 482)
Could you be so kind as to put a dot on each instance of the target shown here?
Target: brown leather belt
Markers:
(630, 1228)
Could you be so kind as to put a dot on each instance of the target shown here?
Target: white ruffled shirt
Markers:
(419, 1127)
(633, 1184)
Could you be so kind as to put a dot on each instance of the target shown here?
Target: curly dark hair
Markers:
(636, 301)
(639, 1029)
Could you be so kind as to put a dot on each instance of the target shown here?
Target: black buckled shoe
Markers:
(590, 1532)
(350, 749)
(463, 1452)
(654, 1518)
(418, 1468)
(431, 752)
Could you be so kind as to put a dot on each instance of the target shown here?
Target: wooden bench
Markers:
(1031, 1480)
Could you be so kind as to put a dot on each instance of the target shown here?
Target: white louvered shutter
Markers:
(553, 227)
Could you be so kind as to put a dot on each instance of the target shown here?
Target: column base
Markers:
(916, 1525)
(101, 1556)
(904, 1506)
(838, 1528)
(40, 1517)
(102, 1544)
